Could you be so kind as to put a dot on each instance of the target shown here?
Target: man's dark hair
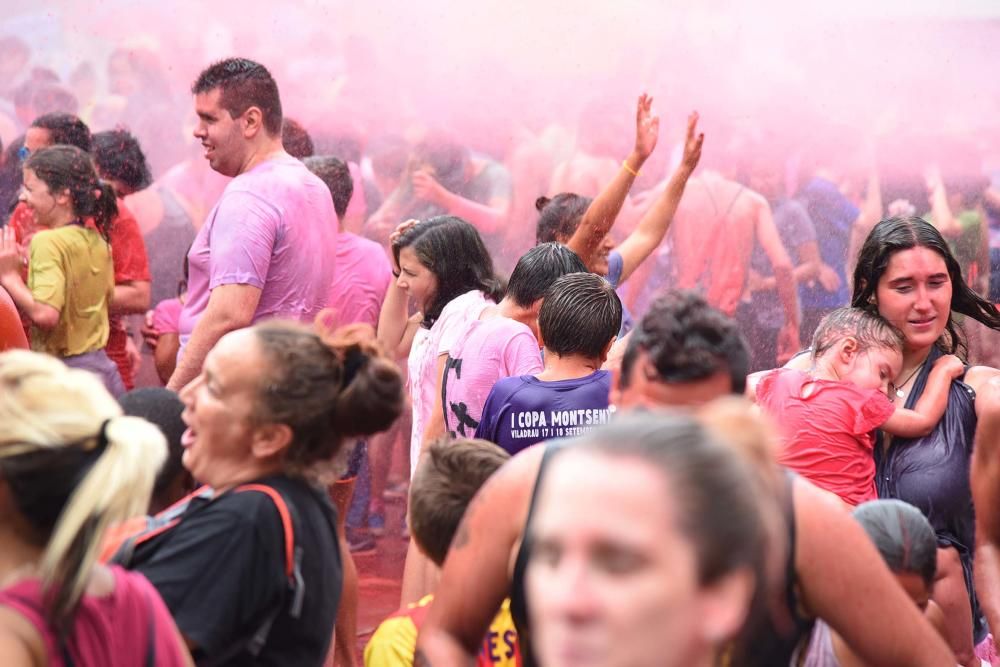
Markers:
(119, 157)
(296, 140)
(538, 269)
(243, 84)
(580, 314)
(444, 483)
(337, 177)
(686, 340)
(65, 128)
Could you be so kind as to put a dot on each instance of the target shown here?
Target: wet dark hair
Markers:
(560, 216)
(65, 128)
(868, 329)
(243, 84)
(581, 313)
(538, 269)
(324, 390)
(454, 252)
(903, 233)
(69, 168)
(119, 157)
(713, 487)
(444, 483)
(902, 535)
(296, 140)
(685, 340)
(337, 176)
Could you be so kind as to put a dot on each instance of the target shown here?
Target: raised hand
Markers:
(692, 143)
(647, 130)
(426, 187)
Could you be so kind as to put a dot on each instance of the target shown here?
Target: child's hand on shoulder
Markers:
(949, 365)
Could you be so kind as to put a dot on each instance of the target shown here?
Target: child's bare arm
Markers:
(928, 411)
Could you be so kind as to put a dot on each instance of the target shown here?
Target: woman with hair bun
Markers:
(251, 568)
(70, 466)
(71, 279)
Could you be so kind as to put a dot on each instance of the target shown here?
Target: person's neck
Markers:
(570, 367)
(249, 473)
(913, 359)
(822, 369)
(267, 149)
(59, 219)
(508, 308)
(18, 558)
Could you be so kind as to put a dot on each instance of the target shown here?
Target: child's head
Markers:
(863, 348)
(580, 315)
(906, 541)
(446, 480)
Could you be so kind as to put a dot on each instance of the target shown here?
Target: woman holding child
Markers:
(907, 274)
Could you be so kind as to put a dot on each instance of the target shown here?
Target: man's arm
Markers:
(130, 297)
(475, 579)
(230, 307)
(844, 581)
(653, 226)
(781, 266)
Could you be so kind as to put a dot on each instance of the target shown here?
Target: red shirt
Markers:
(828, 435)
(128, 254)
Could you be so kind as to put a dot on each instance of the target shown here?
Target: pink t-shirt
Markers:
(167, 316)
(485, 351)
(274, 228)
(361, 280)
(428, 345)
(118, 630)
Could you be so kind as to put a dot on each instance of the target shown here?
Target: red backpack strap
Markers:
(286, 521)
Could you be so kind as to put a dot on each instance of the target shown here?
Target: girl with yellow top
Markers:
(70, 275)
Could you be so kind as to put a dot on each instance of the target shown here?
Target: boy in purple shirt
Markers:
(503, 342)
(578, 322)
(266, 249)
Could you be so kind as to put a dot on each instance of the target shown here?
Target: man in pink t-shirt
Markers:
(363, 269)
(267, 247)
(502, 342)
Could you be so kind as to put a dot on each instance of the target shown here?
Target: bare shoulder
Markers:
(978, 376)
(20, 643)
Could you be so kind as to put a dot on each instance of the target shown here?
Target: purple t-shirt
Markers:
(522, 411)
(486, 351)
(274, 228)
(361, 280)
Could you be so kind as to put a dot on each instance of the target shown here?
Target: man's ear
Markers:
(253, 122)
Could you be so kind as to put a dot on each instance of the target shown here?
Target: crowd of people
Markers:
(756, 452)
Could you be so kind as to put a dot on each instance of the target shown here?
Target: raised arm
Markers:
(600, 215)
(929, 410)
(487, 218)
(395, 328)
(781, 265)
(654, 224)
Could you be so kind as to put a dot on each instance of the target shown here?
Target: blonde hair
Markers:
(60, 427)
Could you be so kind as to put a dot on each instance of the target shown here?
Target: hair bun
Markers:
(541, 203)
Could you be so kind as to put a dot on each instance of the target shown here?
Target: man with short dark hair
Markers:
(577, 324)
(265, 251)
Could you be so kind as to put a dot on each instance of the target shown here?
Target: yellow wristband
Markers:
(629, 168)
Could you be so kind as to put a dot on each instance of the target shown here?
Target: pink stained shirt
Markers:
(118, 630)
(486, 350)
(167, 316)
(428, 345)
(273, 228)
(361, 280)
